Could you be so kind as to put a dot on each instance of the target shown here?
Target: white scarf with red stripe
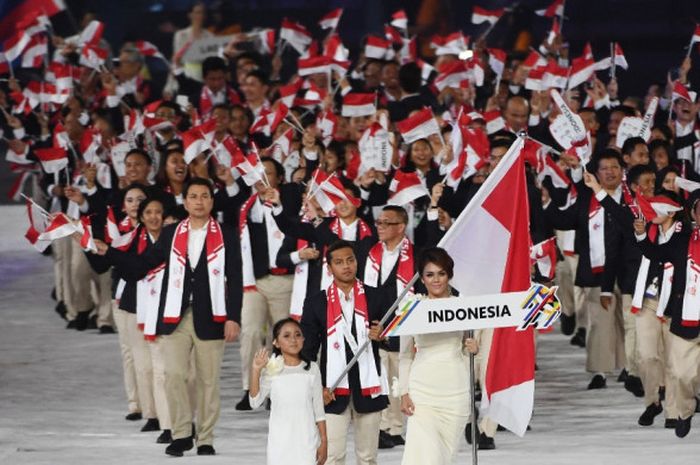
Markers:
(301, 279)
(596, 235)
(338, 332)
(666, 279)
(216, 261)
(691, 298)
(258, 213)
(207, 100)
(148, 300)
(404, 272)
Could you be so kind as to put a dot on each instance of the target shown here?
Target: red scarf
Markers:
(206, 101)
(339, 332)
(215, 254)
(404, 272)
(691, 298)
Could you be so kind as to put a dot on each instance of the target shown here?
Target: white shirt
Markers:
(347, 304)
(195, 243)
(389, 259)
(348, 232)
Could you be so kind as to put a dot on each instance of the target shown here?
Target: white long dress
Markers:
(297, 404)
(433, 370)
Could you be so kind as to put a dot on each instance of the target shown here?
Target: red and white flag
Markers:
(452, 74)
(289, 92)
(198, 139)
(148, 49)
(393, 34)
(378, 48)
(534, 80)
(556, 8)
(399, 20)
(331, 20)
(482, 15)
(544, 255)
(470, 148)
(36, 51)
(92, 34)
(38, 222)
(331, 192)
(356, 104)
(497, 60)
(555, 75)
(553, 33)
(494, 121)
(680, 92)
(264, 41)
(52, 159)
(696, 35)
(534, 60)
(296, 35)
(93, 57)
(268, 120)
(406, 187)
(452, 44)
(582, 68)
(326, 123)
(25, 30)
(489, 243)
(619, 57)
(61, 226)
(313, 65)
(420, 125)
(335, 50)
(4, 64)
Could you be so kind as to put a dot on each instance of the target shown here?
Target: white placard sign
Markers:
(205, 47)
(375, 151)
(118, 156)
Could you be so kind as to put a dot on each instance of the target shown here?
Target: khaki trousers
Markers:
(629, 322)
(121, 322)
(605, 344)
(653, 336)
(143, 368)
(570, 295)
(102, 287)
(392, 418)
(160, 399)
(60, 249)
(684, 357)
(266, 305)
(366, 433)
(80, 278)
(208, 356)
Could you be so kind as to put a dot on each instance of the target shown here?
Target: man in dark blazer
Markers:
(197, 328)
(364, 411)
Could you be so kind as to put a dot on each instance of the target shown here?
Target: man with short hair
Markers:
(360, 396)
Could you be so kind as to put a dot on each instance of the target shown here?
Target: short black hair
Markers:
(279, 168)
(260, 75)
(400, 211)
(213, 64)
(662, 173)
(141, 152)
(631, 143)
(605, 154)
(337, 245)
(198, 182)
(637, 171)
(146, 202)
(624, 109)
(665, 130)
(437, 256)
(410, 78)
(350, 186)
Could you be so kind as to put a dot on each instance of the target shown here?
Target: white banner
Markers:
(536, 307)
(376, 151)
(205, 47)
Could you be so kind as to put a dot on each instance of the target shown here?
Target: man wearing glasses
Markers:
(390, 267)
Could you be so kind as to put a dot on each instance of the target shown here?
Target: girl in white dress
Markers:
(297, 419)
(434, 378)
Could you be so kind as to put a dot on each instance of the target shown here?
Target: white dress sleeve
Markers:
(406, 354)
(317, 394)
(264, 391)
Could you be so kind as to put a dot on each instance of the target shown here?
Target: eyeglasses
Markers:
(381, 223)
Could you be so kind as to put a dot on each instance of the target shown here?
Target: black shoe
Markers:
(73, 324)
(244, 404)
(194, 432)
(165, 437)
(500, 428)
(178, 447)
(398, 440)
(568, 324)
(634, 385)
(683, 427)
(61, 309)
(662, 393)
(670, 423)
(486, 443)
(134, 416)
(107, 329)
(53, 293)
(597, 382)
(152, 424)
(92, 322)
(82, 320)
(468, 433)
(206, 450)
(385, 441)
(268, 405)
(647, 418)
(623, 376)
(579, 338)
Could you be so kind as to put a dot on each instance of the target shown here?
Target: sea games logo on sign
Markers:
(538, 307)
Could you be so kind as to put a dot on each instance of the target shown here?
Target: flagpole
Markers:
(43, 210)
(612, 60)
(472, 377)
(561, 20)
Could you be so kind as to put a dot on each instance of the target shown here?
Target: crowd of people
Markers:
(283, 195)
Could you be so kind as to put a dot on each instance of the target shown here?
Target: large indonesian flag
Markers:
(490, 246)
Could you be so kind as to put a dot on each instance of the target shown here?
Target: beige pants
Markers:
(684, 357)
(652, 343)
(208, 356)
(60, 249)
(161, 401)
(392, 418)
(570, 296)
(141, 356)
(121, 322)
(629, 322)
(605, 344)
(265, 306)
(366, 433)
(102, 297)
(80, 279)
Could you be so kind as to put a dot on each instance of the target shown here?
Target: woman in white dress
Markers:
(297, 432)
(434, 377)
